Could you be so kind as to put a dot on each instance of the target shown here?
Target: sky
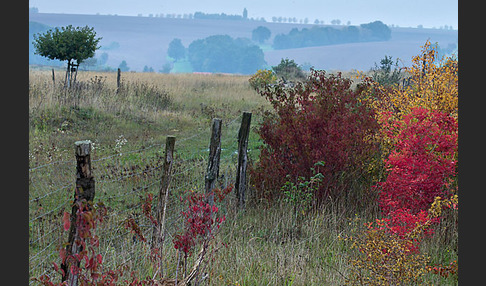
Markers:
(403, 13)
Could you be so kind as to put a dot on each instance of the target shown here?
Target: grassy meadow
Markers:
(264, 245)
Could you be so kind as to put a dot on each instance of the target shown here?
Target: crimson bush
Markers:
(423, 160)
(320, 119)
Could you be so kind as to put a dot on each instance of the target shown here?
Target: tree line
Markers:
(322, 36)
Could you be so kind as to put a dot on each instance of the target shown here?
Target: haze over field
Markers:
(144, 41)
(404, 13)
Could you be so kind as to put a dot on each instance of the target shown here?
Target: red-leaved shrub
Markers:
(320, 119)
(422, 162)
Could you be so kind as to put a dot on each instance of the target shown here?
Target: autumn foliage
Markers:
(432, 84)
(419, 139)
(320, 119)
(422, 162)
(200, 222)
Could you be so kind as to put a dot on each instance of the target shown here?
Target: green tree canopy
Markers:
(176, 49)
(67, 44)
(261, 34)
(289, 70)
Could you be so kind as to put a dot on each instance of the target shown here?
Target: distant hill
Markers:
(143, 41)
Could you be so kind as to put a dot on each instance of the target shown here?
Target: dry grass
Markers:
(261, 246)
(148, 107)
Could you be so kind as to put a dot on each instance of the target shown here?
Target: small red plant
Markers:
(132, 225)
(200, 222)
(87, 264)
(147, 208)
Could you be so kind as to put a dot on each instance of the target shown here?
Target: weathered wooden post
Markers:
(158, 236)
(118, 76)
(53, 79)
(212, 171)
(240, 185)
(84, 194)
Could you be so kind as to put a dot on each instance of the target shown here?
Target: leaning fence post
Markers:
(240, 185)
(118, 76)
(84, 192)
(212, 171)
(159, 230)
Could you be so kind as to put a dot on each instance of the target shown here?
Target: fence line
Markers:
(120, 178)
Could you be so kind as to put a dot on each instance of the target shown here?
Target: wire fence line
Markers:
(123, 181)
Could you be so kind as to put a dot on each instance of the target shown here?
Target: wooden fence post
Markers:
(53, 79)
(84, 191)
(212, 171)
(159, 230)
(118, 76)
(240, 185)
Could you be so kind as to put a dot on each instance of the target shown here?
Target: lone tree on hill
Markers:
(260, 34)
(71, 44)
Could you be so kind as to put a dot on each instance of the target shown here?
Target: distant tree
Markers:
(261, 34)
(289, 70)
(71, 44)
(251, 60)
(274, 19)
(176, 49)
(387, 73)
(379, 31)
(166, 68)
(245, 14)
(221, 53)
(123, 66)
(336, 22)
(282, 41)
(148, 69)
(306, 20)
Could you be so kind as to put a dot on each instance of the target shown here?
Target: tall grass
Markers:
(263, 245)
(147, 107)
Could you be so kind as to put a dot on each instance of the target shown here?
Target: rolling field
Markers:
(264, 245)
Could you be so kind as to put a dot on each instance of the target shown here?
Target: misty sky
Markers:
(404, 13)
